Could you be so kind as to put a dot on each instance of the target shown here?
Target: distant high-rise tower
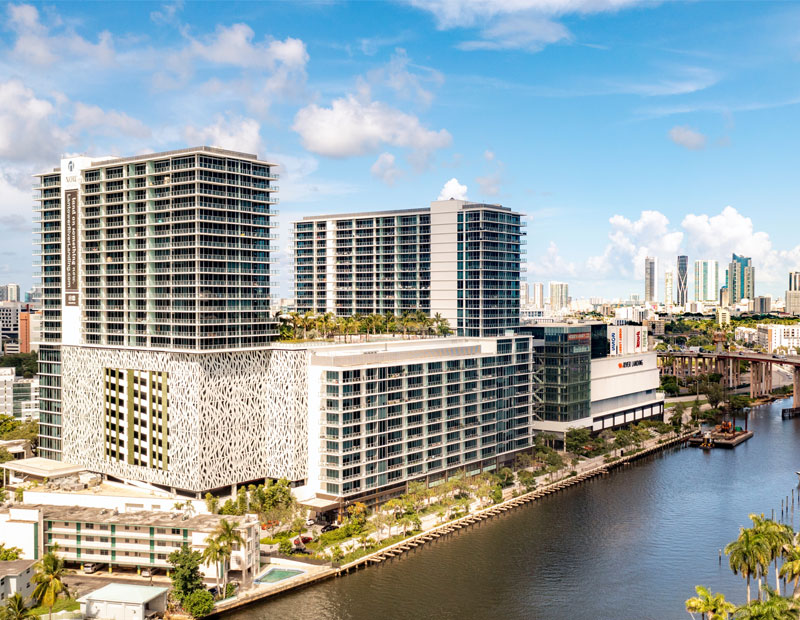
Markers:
(794, 280)
(741, 278)
(669, 299)
(559, 296)
(13, 292)
(793, 294)
(683, 280)
(650, 275)
(537, 294)
(706, 280)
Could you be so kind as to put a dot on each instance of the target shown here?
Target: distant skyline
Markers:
(622, 128)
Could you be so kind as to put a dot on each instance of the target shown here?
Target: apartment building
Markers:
(156, 286)
(774, 338)
(141, 539)
(457, 258)
(381, 416)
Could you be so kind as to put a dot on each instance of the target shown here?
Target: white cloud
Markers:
(385, 169)
(407, 84)
(687, 137)
(37, 44)
(513, 24)
(490, 183)
(701, 237)
(229, 132)
(357, 126)
(28, 129)
(465, 13)
(631, 241)
(453, 189)
(551, 265)
(94, 120)
(524, 33)
(168, 13)
(488, 155)
(233, 45)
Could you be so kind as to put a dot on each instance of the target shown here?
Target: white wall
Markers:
(18, 528)
(622, 375)
(444, 258)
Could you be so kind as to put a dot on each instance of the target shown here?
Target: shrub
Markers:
(285, 547)
(199, 603)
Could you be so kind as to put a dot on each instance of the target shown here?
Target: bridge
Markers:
(726, 363)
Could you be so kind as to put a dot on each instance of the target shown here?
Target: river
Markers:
(631, 545)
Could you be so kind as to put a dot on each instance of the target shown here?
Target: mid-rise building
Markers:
(135, 540)
(762, 304)
(706, 281)
(723, 316)
(683, 280)
(778, 338)
(650, 279)
(458, 259)
(740, 279)
(156, 286)
(7, 376)
(669, 297)
(9, 318)
(559, 296)
(30, 330)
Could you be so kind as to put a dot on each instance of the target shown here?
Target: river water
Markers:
(631, 545)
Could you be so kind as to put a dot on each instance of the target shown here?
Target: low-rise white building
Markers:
(783, 338)
(7, 391)
(16, 576)
(746, 335)
(121, 601)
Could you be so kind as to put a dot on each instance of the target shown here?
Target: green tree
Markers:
(212, 503)
(527, 479)
(714, 393)
(285, 547)
(16, 609)
(776, 536)
(213, 555)
(577, 439)
(228, 538)
(186, 577)
(790, 569)
(199, 603)
(505, 476)
(48, 576)
(496, 495)
(773, 607)
(711, 606)
(9, 554)
(747, 554)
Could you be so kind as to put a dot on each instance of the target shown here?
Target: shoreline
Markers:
(410, 543)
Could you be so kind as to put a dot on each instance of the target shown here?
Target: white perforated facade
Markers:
(233, 417)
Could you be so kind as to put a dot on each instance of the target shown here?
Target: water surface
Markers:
(631, 545)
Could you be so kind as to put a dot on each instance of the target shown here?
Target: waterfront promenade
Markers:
(433, 530)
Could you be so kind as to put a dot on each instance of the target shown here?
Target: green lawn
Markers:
(69, 604)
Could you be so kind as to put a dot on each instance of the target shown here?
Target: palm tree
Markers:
(214, 555)
(16, 609)
(776, 536)
(775, 607)
(747, 554)
(48, 577)
(791, 566)
(714, 605)
(227, 537)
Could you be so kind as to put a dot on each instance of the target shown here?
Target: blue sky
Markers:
(621, 128)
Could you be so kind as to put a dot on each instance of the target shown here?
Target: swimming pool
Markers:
(278, 574)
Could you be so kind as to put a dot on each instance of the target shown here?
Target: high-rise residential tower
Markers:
(559, 296)
(682, 296)
(456, 258)
(650, 275)
(537, 294)
(669, 298)
(793, 293)
(740, 279)
(156, 287)
(706, 281)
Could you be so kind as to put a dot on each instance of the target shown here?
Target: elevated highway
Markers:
(726, 363)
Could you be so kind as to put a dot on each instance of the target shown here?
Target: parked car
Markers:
(310, 522)
(302, 540)
(330, 527)
(91, 567)
(148, 571)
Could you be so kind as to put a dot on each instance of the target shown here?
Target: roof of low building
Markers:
(124, 593)
(43, 468)
(15, 567)
(154, 518)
